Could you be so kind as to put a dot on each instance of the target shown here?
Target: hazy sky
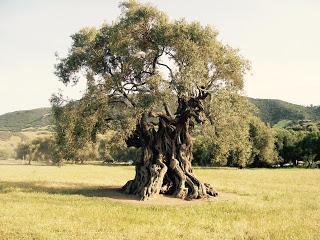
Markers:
(281, 38)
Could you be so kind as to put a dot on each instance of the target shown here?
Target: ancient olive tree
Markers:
(139, 68)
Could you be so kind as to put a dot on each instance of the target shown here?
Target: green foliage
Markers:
(263, 149)
(303, 125)
(236, 137)
(272, 111)
(231, 115)
(125, 154)
(309, 148)
(112, 149)
(136, 64)
(202, 152)
(39, 149)
(294, 146)
(104, 152)
(74, 136)
(22, 151)
(4, 154)
(275, 112)
(282, 124)
(225, 137)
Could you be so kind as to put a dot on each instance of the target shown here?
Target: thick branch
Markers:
(167, 109)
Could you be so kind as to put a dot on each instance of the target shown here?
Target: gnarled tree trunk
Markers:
(165, 163)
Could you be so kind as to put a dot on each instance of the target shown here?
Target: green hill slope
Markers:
(272, 111)
(269, 110)
(16, 121)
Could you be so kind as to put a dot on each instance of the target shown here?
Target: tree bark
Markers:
(165, 163)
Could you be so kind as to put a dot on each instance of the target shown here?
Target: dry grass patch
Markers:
(74, 202)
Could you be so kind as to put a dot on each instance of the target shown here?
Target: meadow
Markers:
(71, 202)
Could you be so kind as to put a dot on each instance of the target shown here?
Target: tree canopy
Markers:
(137, 70)
(143, 60)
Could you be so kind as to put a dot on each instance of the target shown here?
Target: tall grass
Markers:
(45, 202)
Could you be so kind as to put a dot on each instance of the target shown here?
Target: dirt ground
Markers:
(114, 194)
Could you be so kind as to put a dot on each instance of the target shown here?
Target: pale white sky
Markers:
(280, 37)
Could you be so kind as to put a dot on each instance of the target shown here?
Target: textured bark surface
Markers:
(165, 163)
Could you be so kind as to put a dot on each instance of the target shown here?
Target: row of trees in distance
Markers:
(238, 138)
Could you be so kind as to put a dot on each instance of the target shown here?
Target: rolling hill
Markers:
(21, 126)
(273, 111)
(269, 110)
(19, 120)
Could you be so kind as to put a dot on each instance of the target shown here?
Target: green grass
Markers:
(282, 124)
(46, 202)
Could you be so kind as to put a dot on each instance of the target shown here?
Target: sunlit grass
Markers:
(46, 202)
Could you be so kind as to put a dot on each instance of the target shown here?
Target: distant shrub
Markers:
(4, 154)
(39, 149)
(4, 135)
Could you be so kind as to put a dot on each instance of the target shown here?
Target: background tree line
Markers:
(233, 136)
(141, 67)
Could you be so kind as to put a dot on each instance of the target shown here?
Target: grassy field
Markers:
(47, 202)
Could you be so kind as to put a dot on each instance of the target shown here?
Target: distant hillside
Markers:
(272, 111)
(19, 120)
(269, 110)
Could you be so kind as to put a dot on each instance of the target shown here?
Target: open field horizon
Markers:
(48, 202)
(131, 98)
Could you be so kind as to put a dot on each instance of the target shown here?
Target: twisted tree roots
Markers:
(165, 163)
